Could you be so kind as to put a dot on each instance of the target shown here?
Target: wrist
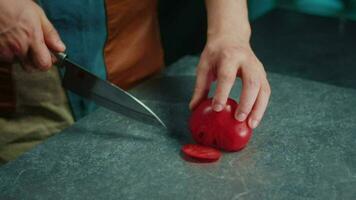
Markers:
(229, 20)
(239, 37)
(232, 29)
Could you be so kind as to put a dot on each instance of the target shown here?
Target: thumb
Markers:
(51, 36)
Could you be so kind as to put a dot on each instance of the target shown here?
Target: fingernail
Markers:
(61, 44)
(253, 123)
(241, 117)
(218, 107)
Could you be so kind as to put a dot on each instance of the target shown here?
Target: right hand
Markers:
(27, 35)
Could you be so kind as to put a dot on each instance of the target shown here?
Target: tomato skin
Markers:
(219, 129)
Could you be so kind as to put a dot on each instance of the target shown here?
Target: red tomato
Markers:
(219, 129)
(201, 153)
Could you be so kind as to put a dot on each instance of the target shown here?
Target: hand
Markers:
(27, 35)
(222, 60)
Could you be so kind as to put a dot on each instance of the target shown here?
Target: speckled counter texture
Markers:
(304, 149)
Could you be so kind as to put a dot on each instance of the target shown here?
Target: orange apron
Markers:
(133, 49)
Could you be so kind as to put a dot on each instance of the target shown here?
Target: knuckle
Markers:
(229, 53)
(266, 91)
(262, 69)
(29, 30)
(226, 75)
(52, 31)
(245, 55)
(36, 34)
(41, 41)
(44, 63)
(265, 87)
(16, 48)
(252, 82)
(37, 41)
(29, 33)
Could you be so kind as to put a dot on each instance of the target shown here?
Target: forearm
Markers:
(228, 18)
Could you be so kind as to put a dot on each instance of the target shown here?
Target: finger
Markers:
(202, 84)
(250, 89)
(226, 77)
(40, 53)
(19, 44)
(54, 58)
(15, 48)
(51, 36)
(260, 106)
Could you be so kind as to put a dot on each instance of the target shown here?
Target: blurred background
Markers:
(311, 39)
(185, 20)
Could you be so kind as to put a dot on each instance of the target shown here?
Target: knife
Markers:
(82, 82)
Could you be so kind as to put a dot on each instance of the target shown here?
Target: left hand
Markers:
(223, 59)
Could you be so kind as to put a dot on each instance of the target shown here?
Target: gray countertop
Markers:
(303, 149)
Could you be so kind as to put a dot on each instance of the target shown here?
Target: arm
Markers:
(228, 54)
(27, 35)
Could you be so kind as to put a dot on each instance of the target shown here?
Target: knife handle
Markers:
(60, 57)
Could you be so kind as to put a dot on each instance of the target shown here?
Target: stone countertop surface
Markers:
(303, 149)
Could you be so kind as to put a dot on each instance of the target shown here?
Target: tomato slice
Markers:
(201, 153)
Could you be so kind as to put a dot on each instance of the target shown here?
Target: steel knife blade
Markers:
(86, 84)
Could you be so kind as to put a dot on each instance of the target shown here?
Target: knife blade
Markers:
(86, 84)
